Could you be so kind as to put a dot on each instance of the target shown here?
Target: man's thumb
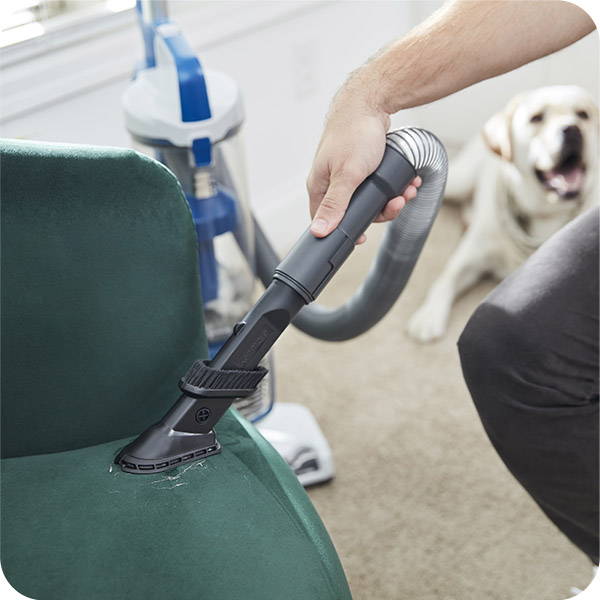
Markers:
(333, 206)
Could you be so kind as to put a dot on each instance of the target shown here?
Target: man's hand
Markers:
(351, 148)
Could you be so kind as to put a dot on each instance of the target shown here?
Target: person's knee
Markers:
(514, 358)
(489, 348)
(487, 339)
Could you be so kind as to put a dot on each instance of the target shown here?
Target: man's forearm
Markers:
(464, 42)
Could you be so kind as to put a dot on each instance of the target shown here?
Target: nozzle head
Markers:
(160, 449)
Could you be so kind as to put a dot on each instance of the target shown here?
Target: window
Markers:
(23, 20)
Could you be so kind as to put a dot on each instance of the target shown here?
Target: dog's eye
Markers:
(537, 118)
(583, 114)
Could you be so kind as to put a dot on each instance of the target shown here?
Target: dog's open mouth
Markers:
(566, 178)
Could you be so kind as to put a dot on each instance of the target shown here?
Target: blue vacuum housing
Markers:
(189, 119)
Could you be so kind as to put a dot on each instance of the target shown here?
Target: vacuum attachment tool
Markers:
(186, 432)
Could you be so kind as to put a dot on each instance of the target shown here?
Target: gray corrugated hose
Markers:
(398, 253)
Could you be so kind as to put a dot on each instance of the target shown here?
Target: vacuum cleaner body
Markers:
(190, 120)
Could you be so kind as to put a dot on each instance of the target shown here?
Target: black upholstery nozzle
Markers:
(161, 448)
(186, 432)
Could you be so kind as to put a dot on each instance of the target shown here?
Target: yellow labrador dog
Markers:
(534, 169)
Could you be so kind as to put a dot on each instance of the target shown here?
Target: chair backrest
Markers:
(101, 310)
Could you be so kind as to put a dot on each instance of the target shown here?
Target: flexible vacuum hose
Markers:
(397, 256)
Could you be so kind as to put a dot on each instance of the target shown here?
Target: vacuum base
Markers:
(293, 431)
(150, 454)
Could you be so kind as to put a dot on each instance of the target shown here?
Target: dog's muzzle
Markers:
(567, 176)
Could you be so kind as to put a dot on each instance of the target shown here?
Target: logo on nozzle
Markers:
(202, 414)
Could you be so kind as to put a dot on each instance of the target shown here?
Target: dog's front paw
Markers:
(427, 324)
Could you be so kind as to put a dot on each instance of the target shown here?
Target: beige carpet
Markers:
(421, 507)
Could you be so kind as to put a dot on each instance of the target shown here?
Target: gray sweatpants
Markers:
(530, 359)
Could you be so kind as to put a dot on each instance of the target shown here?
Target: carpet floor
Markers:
(421, 506)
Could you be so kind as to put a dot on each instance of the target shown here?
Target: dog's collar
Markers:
(516, 223)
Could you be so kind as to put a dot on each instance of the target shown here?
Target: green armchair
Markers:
(101, 314)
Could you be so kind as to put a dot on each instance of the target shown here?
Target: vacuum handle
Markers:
(312, 262)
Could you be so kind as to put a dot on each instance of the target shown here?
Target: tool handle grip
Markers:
(312, 262)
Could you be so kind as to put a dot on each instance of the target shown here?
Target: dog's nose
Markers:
(572, 135)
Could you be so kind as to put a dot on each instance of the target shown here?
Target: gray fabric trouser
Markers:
(530, 359)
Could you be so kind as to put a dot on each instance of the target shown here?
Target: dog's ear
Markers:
(497, 131)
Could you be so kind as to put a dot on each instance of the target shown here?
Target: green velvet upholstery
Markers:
(99, 305)
(101, 314)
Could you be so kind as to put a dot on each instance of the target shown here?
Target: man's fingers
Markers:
(395, 205)
(333, 205)
(410, 192)
(391, 210)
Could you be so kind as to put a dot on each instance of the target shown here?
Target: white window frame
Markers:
(33, 73)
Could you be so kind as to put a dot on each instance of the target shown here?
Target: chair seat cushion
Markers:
(236, 526)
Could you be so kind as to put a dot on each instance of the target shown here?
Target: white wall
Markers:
(288, 58)
(288, 64)
(458, 117)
